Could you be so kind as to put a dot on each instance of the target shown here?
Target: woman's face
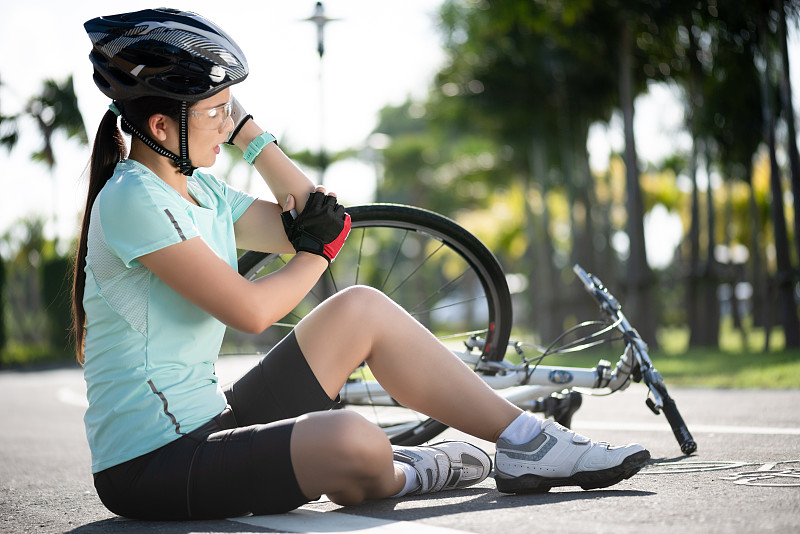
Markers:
(209, 125)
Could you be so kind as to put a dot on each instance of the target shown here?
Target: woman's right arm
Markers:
(196, 272)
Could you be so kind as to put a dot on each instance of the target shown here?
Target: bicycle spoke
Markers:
(422, 264)
(360, 252)
(332, 279)
(394, 262)
(451, 305)
(440, 291)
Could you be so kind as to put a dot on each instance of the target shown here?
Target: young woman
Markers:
(155, 287)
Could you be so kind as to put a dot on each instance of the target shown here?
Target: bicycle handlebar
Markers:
(652, 378)
(679, 428)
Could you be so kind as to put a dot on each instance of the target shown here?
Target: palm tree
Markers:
(56, 109)
(9, 133)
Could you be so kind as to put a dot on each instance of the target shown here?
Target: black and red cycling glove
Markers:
(320, 229)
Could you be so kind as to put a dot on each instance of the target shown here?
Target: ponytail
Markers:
(109, 149)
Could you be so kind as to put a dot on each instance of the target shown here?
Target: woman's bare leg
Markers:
(342, 455)
(361, 324)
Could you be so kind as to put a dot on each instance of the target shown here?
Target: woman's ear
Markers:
(159, 124)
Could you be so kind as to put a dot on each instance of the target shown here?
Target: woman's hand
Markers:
(321, 228)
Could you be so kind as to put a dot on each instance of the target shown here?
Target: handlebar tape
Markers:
(685, 439)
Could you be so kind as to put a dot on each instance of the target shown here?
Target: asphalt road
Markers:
(745, 476)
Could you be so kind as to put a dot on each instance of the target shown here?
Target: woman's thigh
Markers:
(280, 386)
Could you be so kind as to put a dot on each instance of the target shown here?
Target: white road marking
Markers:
(693, 428)
(318, 522)
(68, 396)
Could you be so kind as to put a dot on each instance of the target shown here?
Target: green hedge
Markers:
(56, 297)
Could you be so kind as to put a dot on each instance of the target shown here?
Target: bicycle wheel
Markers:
(438, 271)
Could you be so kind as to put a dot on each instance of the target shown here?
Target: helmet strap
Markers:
(183, 162)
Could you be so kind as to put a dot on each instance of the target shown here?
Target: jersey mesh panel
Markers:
(124, 289)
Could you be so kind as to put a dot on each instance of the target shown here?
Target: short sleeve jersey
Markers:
(150, 353)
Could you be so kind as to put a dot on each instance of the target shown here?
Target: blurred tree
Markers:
(527, 79)
(785, 276)
(39, 275)
(27, 321)
(9, 133)
(784, 9)
(8, 138)
(56, 109)
(535, 76)
(429, 163)
(3, 333)
(693, 38)
(730, 120)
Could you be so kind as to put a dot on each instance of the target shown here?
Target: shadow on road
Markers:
(470, 500)
(477, 499)
(163, 527)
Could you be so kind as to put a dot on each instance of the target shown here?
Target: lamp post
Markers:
(320, 20)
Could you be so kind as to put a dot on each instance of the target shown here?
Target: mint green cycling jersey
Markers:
(150, 353)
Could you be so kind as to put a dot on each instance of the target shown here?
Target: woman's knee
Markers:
(358, 446)
(362, 445)
(360, 303)
(340, 454)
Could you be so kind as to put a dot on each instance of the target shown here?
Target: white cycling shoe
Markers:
(560, 457)
(445, 466)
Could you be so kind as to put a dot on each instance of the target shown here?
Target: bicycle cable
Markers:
(576, 345)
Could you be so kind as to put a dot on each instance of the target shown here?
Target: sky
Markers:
(377, 53)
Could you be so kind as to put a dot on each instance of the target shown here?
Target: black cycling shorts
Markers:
(236, 464)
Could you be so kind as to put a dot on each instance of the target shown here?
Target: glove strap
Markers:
(256, 146)
(307, 243)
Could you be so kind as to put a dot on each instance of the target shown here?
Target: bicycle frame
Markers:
(521, 384)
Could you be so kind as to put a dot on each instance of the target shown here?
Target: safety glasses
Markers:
(211, 119)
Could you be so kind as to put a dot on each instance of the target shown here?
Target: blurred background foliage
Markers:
(500, 145)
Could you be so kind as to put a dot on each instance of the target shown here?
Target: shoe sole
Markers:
(585, 479)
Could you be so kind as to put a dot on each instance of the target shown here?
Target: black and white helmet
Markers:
(163, 52)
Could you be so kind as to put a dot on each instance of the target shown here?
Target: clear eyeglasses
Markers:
(212, 119)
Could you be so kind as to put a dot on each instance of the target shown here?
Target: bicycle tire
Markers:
(392, 247)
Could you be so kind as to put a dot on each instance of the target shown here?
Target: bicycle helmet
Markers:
(167, 53)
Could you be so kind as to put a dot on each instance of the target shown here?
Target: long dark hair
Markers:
(109, 149)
